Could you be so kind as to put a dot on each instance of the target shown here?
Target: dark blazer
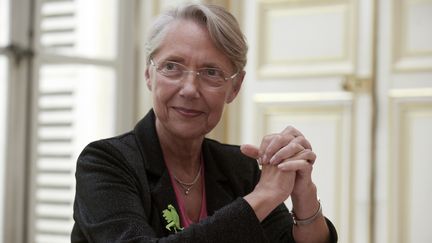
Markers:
(122, 187)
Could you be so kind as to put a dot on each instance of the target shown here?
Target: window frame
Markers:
(15, 173)
(124, 68)
(22, 83)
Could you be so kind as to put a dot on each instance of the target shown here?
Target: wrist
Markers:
(306, 203)
(303, 194)
(309, 220)
(261, 202)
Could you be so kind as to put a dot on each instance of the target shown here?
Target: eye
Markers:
(170, 67)
(212, 73)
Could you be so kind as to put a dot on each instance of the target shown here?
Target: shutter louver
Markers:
(54, 188)
(58, 26)
(74, 105)
(55, 161)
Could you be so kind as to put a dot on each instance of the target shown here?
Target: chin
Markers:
(189, 132)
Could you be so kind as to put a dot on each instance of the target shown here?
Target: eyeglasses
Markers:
(210, 77)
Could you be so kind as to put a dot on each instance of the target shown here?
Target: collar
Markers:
(151, 151)
(217, 188)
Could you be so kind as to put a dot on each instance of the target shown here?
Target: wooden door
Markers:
(310, 66)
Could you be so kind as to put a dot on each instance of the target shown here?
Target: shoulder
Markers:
(118, 151)
(114, 146)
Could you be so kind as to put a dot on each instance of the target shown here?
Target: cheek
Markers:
(163, 90)
(161, 94)
(216, 105)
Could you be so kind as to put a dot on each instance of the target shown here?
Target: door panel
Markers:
(305, 38)
(304, 70)
(405, 92)
(412, 36)
(358, 72)
(409, 167)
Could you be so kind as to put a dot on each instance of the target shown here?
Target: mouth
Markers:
(187, 112)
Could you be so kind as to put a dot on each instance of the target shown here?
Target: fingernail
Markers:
(272, 160)
(259, 161)
(264, 159)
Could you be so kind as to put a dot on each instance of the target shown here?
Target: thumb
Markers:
(250, 150)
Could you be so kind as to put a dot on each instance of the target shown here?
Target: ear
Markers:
(237, 83)
(148, 79)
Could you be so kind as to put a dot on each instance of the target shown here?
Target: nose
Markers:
(190, 85)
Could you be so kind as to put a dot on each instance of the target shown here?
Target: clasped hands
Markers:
(286, 160)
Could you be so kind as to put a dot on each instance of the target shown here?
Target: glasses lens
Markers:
(212, 77)
(209, 77)
(171, 69)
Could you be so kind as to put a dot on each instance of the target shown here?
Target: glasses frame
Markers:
(187, 70)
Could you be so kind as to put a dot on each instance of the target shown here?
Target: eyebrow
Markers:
(174, 59)
(212, 65)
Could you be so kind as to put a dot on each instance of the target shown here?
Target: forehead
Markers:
(191, 43)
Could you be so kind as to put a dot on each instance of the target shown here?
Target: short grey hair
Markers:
(223, 28)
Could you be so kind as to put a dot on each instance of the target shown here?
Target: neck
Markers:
(182, 155)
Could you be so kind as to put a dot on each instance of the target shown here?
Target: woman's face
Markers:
(186, 108)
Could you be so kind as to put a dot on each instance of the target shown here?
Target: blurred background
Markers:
(355, 76)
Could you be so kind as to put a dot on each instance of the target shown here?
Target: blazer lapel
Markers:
(162, 193)
(218, 193)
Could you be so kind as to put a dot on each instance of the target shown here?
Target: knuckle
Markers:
(276, 157)
(292, 146)
(297, 147)
(268, 137)
(302, 139)
(274, 137)
(289, 129)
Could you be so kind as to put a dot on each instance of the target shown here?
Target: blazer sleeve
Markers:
(108, 207)
(278, 225)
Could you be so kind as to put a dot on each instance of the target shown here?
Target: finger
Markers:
(278, 142)
(295, 165)
(263, 147)
(286, 152)
(250, 150)
(292, 131)
(307, 155)
(296, 145)
(299, 137)
(302, 141)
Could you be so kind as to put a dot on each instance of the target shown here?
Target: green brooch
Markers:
(172, 218)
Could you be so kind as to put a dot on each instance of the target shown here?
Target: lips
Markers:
(188, 112)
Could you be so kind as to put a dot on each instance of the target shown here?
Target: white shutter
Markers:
(69, 115)
(54, 172)
(57, 25)
(76, 87)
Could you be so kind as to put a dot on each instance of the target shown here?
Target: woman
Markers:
(165, 182)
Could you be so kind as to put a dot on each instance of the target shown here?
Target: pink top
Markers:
(185, 220)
